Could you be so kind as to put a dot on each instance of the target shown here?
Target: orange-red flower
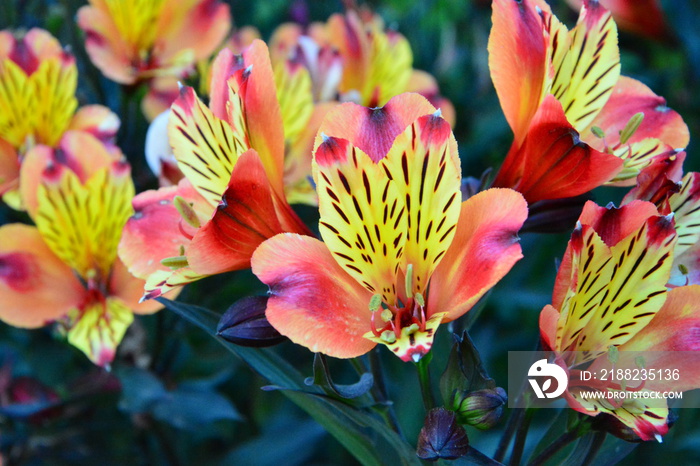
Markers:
(132, 41)
(574, 118)
(672, 192)
(65, 269)
(401, 252)
(38, 80)
(642, 17)
(611, 292)
(232, 197)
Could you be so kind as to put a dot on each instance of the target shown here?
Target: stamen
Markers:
(419, 299)
(186, 211)
(409, 281)
(631, 127)
(175, 263)
(375, 303)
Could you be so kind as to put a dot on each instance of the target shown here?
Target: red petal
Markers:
(245, 218)
(484, 249)
(555, 163)
(613, 224)
(313, 301)
(373, 130)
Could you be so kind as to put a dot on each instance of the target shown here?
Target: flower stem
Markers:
(598, 440)
(380, 393)
(556, 446)
(424, 379)
(512, 425)
(521, 437)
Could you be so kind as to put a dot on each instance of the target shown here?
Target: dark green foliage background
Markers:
(95, 426)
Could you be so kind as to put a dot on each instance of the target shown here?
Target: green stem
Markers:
(598, 441)
(512, 425)
(554, 448)
(380, 393)
(424, 379)
(521, 437)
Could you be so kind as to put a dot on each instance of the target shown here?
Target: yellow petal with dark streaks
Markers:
(54, 85)
(636, 157)
(363, 218)
(99, 328)
(584, 77)
(162, 281)
(136, 21)
(624, 296)
(685, 206)
(590, 273)
(295, 96)
(17, 100)
(206, 148)
(82, 224)
(390, 68)
(647, 417)
(424, 164)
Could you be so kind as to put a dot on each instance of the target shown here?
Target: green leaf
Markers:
(359, 432)
(465, 372)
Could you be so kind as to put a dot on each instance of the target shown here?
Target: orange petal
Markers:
(549, 317)
(518, 61)
(36, 287)
(129, 289)
(104, 44)
(245, 218)
(97, 120)
(262, 114)
(9, 167)
(484, 249)
(374, 130)
(156, 230)
(672, 339)
(297, 161)
(642, 17)
(629, 97)
(425, 84)
(347, 35)
(313, 301)
(162, 92)
(555, 163)
(200, 26)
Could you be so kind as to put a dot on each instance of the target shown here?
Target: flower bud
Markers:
(245, 324)
(442, 437)
(482, 408)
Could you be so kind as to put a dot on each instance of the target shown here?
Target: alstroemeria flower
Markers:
(611, 291)
(132, 41)
(38, 80)
(65, 269)
(661, 183)
(232, 198)
(561, 91)
(642, 17)
(401, 253)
